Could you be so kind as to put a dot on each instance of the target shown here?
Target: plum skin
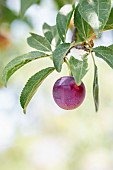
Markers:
(67, 94)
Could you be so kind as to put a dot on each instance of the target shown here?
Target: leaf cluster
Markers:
(8, 15)
(90, 19)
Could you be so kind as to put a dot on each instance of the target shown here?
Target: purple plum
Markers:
(67, 94)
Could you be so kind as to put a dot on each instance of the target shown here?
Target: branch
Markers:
(74, 36)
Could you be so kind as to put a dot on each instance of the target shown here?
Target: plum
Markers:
(67, 94)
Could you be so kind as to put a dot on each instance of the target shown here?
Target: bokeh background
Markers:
(47, 137)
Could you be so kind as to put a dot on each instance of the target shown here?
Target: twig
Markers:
(74, 36)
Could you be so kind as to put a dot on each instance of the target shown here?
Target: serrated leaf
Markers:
(47, 30)
(59, 54)
(78, 69)
(50, 32)
(95, 13)
(109, 24)
(83, 28)
(40, 43)
(18, 62)
(32, 85)
(63, 20)
(96, 88)
(25, 4)
(105, 53)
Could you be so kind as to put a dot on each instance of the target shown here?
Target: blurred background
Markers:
(48, 137)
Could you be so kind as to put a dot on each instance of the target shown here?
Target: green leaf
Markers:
(18, 62)
(25, 4)
(47, 30)
(105, 53)
(108, 27)
(50, 32)
(95, 13)
(96, 89)
(38, 1)
(63, 20)
(111, 47)
(78, 68)
(60, 3)
(109, 24)
(2, 2)
(83, 28)
(32, 85)
(8, 16)
(59, 54)
(40, 43)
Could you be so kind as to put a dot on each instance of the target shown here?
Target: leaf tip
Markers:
(58, 70)
(79, 83)
(32, 34)
(23, 107)
(24, 110)
(96, 109)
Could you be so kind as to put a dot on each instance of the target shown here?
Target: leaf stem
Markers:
(68, 65)
(93, 58)
(91, 51)
(74, 36)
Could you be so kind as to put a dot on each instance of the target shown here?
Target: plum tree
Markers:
(87, 23)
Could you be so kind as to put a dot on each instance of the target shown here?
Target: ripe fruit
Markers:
(67, 94)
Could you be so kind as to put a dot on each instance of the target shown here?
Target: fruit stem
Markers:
(93, 58)
(91, 51)
(68, 65)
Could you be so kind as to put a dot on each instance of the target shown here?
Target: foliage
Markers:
(33, 83)
(78, 68)
(59, 54)
(96, 88)
(97, 15)
(25, 4)
(90, 18)
(60, 3)
(40, 43)
(63, 20)
(7, 15)
(18, 62)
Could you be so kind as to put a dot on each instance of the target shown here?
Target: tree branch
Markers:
(74, 36)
